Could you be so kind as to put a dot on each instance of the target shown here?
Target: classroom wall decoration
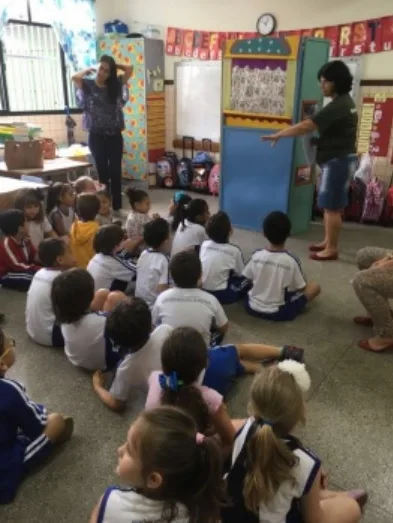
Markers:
(357, 38)
(375, 125)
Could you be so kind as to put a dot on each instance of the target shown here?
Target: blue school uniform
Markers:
(23, 445)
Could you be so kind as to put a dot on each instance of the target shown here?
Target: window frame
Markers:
(4, 97)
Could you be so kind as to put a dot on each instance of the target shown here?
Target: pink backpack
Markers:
(374, 201)
(214, 180)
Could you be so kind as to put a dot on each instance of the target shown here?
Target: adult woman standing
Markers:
(102, 100)
(336, 124)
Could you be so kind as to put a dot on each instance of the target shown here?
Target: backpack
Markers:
(214, 180)
(202, 165)
(387, 213)
(184, 166)
(166, 170)
(356, 197)
(374, 201)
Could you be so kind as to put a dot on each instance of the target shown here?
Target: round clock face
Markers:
(266, 24)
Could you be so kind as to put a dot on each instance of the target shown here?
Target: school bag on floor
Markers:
(214, 180)
(166, 170)
(184, 166)
(387, 213)
(356, 199)
(202, 165)
(374, 201)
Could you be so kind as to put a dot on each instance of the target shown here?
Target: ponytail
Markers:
(189, 398)
(194, 209)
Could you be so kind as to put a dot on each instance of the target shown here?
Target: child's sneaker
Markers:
(290, 352)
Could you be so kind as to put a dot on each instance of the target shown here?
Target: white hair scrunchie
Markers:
(299, 373)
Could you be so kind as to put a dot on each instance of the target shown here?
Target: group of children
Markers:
(144, 310)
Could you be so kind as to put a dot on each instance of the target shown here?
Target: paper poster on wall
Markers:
(387, 33)
(375, 125)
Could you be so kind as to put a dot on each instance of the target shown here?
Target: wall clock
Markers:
(266, 24)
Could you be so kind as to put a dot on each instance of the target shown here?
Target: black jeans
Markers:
(107, 151)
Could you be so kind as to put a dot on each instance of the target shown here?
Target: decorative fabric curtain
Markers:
(75, 24)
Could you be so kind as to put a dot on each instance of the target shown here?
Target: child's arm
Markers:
(239, 263)
(58, 225)
(51, 234)
(163, 283)
(47, 229)
(221, 320)
(96, 511)
(298, 282)
(310, 505)
(104, 395)
(30, 417)
(223, 426)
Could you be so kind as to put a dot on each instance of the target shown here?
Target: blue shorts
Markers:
(237, 288)
(335, 178)
(224, 366)
(294, 305)
(57, 336)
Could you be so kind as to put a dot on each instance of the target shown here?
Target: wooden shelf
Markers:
(261, 116)
(178, 144)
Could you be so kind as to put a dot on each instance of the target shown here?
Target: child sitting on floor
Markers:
(153, 264)
(84, 229)
(222, 262)
(176, 209)
(191, 233)
(105, 214)
(279, 291)
(173, 472)
(109, 269)
(129, 327)
(187, 304)
(60, 205)
(81, 314)
(28, 433)
(29, 201)
(18, 257)
(273, 477)
(85, 184)
(184, 358)
(138, 217)
(55, 256)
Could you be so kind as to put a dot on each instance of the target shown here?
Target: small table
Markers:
(59, 169)
(10, 186)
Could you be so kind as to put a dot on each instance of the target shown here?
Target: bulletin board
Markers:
(198, 99)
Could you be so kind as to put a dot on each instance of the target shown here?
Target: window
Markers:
(35, 76)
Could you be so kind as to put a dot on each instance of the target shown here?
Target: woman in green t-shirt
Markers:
(336, 124)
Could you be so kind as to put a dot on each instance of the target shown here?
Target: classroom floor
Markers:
(349, 409)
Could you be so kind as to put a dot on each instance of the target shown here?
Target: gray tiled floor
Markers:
(349, 410)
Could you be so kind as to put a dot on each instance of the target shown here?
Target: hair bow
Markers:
(170, 381)
(178, 196)
(299, 373)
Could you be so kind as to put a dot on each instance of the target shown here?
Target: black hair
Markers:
(277, 227)
(113, 83)
(105, 193)
(129, 324)
(185, 353)
(179, 212)
(72, 294)
(87, 206)
(49, 250)
(55, 193)
(339, 74)
(219, 227)
(135, 195)
(193, 210)
(156, 232)
(26, 197)
(2, 341)
(186, 269)
(107, 238)
(11, 221)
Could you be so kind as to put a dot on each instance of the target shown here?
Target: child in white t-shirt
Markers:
(222, 262)
(55, 256)
(279, 290)
(176, 209)
(29, 201)
(82, 316)
(138, 217)
(292, 488)
(109, 268)
(153, 263)
(187, 304)
(191, 232)
(172, 472)
(129, 327)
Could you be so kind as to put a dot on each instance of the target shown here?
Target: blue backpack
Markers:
(185, 169)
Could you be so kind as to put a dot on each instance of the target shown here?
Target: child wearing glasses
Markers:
(28, 433)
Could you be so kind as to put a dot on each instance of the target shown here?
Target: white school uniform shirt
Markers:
(85, 341)
(189, 308)
(40, 317)
(274, 274)
(152, 270)
(135, 369)
(127, 506)
(188, 236)
(37, 230)
(105, 269)
(219, 260)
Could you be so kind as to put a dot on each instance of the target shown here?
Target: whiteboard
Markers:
(198, 99)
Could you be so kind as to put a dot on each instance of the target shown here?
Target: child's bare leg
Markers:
(238, 424)
(99, 300)
(257, 352)
(113, 299)
(312, 290)
(251, 367)
(58, 428)
(340, 509)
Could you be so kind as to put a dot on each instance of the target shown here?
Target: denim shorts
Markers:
(336, 175)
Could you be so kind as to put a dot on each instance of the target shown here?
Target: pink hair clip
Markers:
(200, 438)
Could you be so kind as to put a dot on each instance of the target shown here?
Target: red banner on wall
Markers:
(387, 33)
(375, 125)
